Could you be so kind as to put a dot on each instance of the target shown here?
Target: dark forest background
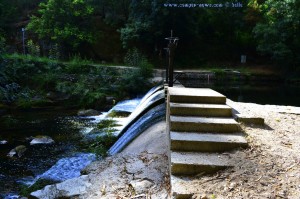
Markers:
(267, 31)
(61, 50)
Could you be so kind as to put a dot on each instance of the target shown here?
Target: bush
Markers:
(33, 49)
(136, 80)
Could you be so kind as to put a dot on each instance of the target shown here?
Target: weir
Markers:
(150, 110)
(200, 126)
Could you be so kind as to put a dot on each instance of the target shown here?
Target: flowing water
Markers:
(18, 128)
(64, 159)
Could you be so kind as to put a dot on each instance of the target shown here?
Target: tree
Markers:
(278, 34)
(64, 22)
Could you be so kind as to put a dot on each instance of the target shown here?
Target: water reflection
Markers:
(276, 93)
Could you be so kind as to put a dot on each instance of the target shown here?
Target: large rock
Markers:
(3, 142)
(42, 139)
(69, 188)
(88, 112)
(141, 186)
(19, 151)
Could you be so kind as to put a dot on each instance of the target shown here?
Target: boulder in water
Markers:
(88, 112)
(67, 189)
(3, 142)
(42, 139)
(19, 150)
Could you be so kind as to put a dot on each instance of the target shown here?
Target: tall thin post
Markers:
(23, 40)
(167, 65)
(173, 41)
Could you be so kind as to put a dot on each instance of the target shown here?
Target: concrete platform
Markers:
(196, 95)
(192, 163)
(206, 142)
(203, 124)
(210, 110)
(249, 119)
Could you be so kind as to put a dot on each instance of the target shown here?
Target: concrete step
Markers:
(203, 124)
(210, 110)
(181, 188)
(206, 142)
(193, 163)
(196, 95)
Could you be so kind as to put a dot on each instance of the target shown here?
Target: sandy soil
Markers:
(269, 168)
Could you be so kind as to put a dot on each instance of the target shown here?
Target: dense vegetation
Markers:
(104, 31)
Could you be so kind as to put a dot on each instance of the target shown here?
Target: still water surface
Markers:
(274, 93)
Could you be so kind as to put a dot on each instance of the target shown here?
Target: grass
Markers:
(30, 58)
(39, 184)
(118, 114)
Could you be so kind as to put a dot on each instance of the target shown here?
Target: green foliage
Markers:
(39, 184)
(64, 22)
(9, 92)
(136, 79)
(8, 13)
(107, 124)
(54, 52)
(103, 142)
(278, 33)
(33, 49)
(118, 114)
(145, 23)
(78, 65)
(2, 45)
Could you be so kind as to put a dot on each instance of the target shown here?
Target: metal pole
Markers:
(23, 39)
(171, 70)
(171, 49)
(167, 65)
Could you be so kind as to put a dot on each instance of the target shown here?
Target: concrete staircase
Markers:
(201, 127)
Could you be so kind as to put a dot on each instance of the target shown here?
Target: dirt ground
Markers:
(268, 168)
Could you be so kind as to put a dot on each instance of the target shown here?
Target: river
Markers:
(69, 130)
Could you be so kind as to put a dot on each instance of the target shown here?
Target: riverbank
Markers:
(270, 167)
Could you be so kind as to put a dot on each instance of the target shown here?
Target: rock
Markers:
(3, 142)
(110, 100)
(141, 186)
(135, 167)
(200, 196)
(57, 96)
(69, 188)
(42, 139)
(19, 150)
(89, 112)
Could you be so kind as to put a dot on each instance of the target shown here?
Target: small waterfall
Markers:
(150, 110)
(149, 118)
(156, 98)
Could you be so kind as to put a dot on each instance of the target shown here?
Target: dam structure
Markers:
(200, 126)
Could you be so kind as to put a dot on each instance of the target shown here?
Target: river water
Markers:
(275, 93)
(17, 128)
(59, 161)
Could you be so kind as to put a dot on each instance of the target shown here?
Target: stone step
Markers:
(210, 110)
(193, 163)
(183, 187)
(206, 142)
(203, 124)
(196, 95)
